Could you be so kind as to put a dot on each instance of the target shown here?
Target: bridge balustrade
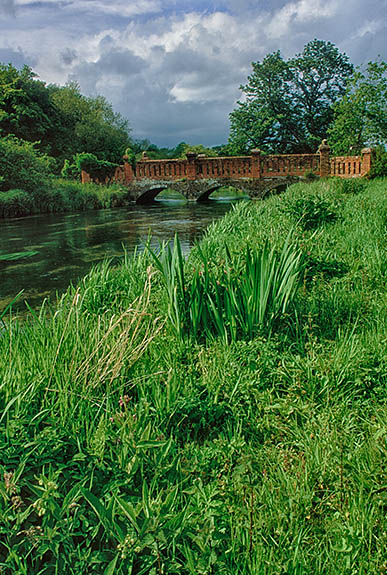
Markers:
(346, 166)
(292, 165)
(223, 167)
(254, 167)
(161, 169)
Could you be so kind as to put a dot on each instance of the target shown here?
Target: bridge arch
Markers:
(148, 196)
(205, 195)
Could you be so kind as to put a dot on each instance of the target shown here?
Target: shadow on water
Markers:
(43, 254)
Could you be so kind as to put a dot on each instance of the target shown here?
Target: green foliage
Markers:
(60, 196)
(59, 119)
(352, 185)
(379, 164)
(288, 104)
(70, 171)
(199, 149)
(310, 210)
(198, 418)
(360, 115)
(124, 449)
(98, 169)
(130, 157)
(21, 166)
(234, 304)
(15, 203)
(88, 125)
(26, 109)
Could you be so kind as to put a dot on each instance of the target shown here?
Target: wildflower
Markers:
(16, 501)
(9, 484)
(124, 400)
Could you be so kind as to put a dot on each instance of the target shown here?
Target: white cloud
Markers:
(369, 27)
(7, 7)
(302, 12)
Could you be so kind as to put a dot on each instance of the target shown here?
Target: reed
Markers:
(235, 305)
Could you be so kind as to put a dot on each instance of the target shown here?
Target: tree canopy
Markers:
(288, 105)
(360, 117)
(59, 119)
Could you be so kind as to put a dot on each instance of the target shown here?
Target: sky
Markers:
(173, 68)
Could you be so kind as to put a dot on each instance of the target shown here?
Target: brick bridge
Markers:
(197, 176)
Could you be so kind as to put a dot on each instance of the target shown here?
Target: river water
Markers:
(42, 254)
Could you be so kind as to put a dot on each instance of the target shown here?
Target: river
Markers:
(42, 254)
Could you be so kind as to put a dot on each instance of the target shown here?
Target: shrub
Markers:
(97, 169)
(352, 185)
(70, 171)
(21, 166)
(15, 203)
(197, 418)
(379, 164)
(236, 305)
(310, 210)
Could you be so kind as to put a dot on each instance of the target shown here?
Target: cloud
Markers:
(174, 67)
(118, 7)
(17, 57)
(7, 7)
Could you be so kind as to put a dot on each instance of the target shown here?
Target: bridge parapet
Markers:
(351, 166)
(241, 168)
(291, 164)
(197, 167)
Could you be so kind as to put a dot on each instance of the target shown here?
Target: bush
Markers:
(352, 185)
(97, 169)
(310, 210)
(379, 164)
(70, 171)
(15, 203)
(21, 166)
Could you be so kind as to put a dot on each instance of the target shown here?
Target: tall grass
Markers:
(156, 421)
(59, 195)
(235, 305)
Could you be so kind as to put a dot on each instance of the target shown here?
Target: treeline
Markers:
(41, 127)
(59, 119)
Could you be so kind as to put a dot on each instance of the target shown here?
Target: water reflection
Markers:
(67, 245)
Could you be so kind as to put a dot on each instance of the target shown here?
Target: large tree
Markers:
(288, 105)
(59, 119)
(361, 115)
(89, 124)
(26, 109)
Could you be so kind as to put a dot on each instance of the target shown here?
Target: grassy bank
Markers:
(56, 195)
(179, 417)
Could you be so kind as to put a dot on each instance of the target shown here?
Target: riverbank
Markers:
(57, 195)
(144, 429)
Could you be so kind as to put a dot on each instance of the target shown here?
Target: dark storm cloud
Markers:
(68, 56)
(7, 7)
(16, 57)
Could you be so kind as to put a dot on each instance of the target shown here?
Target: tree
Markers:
(360, 116)
(59, 119)
(89, 125)
(26, 110)
(288, 105)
